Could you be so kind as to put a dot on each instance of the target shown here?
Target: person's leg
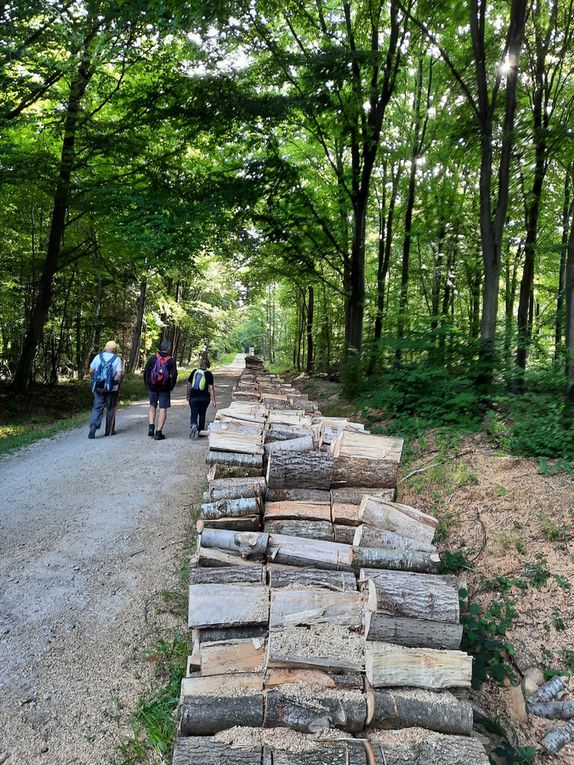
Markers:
(194, 407)
(164, 404)
(161, 418)
(111, 399)
(151, 413)
(97, 412)
(203, 404)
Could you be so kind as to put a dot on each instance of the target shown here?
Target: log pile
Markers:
(314, 602)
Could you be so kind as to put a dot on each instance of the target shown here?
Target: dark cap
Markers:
(165, 346)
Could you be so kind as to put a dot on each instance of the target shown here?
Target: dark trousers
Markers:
(101, 401)
(198, 406)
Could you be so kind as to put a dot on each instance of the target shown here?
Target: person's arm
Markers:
(120, 372)
(173, 374)
(147, 370)
(211, 389)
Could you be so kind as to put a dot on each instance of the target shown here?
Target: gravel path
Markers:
(91, 533)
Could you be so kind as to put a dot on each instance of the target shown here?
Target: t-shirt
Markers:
(171, 369)
(194, 392)
(117, 366)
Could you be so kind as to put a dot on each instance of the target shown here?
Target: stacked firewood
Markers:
(321, 630)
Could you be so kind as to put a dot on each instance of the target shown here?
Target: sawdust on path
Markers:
(91, 533)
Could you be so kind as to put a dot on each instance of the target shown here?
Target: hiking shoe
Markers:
(92, 433)
(159, 436)
(150, 430)
(193, 432)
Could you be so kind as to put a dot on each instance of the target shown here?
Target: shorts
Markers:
(162, 397)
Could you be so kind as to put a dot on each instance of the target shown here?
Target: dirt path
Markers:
(90, 531)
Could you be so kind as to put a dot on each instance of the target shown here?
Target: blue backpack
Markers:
(105, 375)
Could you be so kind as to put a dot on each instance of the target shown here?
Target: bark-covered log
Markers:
(293, 607)
(369, 536)
(233, 488)
(400, 519)
(557, 739)
(253, 574)
(298, 551)
(208, 751)
(217, 634)
(286, 576)
(304, 511)
(248, 545)
(344, 534)
(222, 605)
(394, 665)
(555, 710)
(309, 710)
(413, 633)
(308, 529)
(416, 746)
(303, 470)
(298, 495)
(353, 495)
(553, 688)
(356, 471)
(206, 715)
(301, 444)
(280, 432)
(397, 560)
(405, 708)
(211, 557)
(323, 753)
(232, 508)
(247, 523)
(414, 595)
(236, 460)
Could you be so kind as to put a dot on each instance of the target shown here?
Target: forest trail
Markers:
(90, 532)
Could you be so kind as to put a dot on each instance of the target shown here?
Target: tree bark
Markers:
(137, 333)
(441, 712)
(310, 317)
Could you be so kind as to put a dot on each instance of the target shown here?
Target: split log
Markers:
(219, 471)
(293, 607)
(245, 655)
(298, 495)
(298, 551)
(302, 444)
(212, 685)
(415, 595)
(221, 605)
(357, 471)
(279, 432)
(305, 470)
(413, 633)
(345, 515)
(557, 739)
(347, 752)
(327, 647)
(244, 427)
(296, 418)
(248, 545)
(397, 560)
(555, 710)
(236, 460)
(286, 576)
(308, 529)
(553, 688)
(233, 575)
(402, 708)
(309, 710)
(192, 750)
(352, 495)
(206, 715)
(400, 519)
(233, 488)
(394, 665)
(369, 536)
(344, 534)
(232, 508)
(366, 446)
(314, 677)
(416, 746)
(219, 634)
(211, 557)
(304, 511)
(248, 523)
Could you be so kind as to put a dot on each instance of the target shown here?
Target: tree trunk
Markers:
(567, 212)
(570, 316)
(137, 333)
(310, 314)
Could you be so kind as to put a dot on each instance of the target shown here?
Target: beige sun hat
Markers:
(111, 346)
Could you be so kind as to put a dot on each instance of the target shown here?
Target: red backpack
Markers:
(159, 374)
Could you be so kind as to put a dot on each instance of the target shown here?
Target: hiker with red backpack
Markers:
(200, 391)
(160, 376)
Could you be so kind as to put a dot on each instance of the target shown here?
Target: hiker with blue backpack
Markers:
(200, 391)
(160, 376)
(106, 370)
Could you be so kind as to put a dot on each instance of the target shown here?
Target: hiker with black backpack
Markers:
(200, 391)
(160, 376)
(106, 371)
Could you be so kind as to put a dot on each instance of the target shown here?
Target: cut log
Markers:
(235, 460)
(206, 715)
(219, 471)
(304, 470)
(286, 576)
(221, 605)
(192, 750)
(369, 536)
(397, 560)
(233, 575)
(297, 418)
(321, 646)
(414, 595)
(248, 545)
(248, 523)
(232, 508)
(347, 752)
(298, 495)
(302, 444)
(219, 634)
(232, 656)
(416, 746)
(211, 557)
(400, 519)
(553, 688)
(441, 712)
(344, 534)
(285, 432)
(293, 607)
(557, 739)
(394, 665)
(244, 427)
(304, 511)
(357, 471)
(365, 446)
(309, 710)
(314, 677)
(308, 529)
(298, 551)
(345, 515)
(352, 495)
(555, 710)
(232, 488)
(213, 685)
(414, 633)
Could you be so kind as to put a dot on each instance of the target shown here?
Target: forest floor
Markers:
(92, 535)
(514, 529)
